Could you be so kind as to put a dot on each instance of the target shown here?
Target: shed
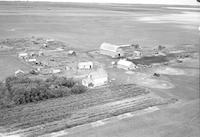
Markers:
(96, 78)
(85, 65)
(127, 65)
(31, 60)
(71, 52)
(112, 50)
(23, 55)
(19, 72)
(54, 71)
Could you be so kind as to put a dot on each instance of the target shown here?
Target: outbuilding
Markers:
(54, 71)
(71, 53)
(85, 65)
(127, 65)
(19, 72)
(112, 50)
(95, 79)
(31, 60)
(23, 55)
(137, 53)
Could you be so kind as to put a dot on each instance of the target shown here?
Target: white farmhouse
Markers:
(111, 50)
(85, 65)
(127, 65)
(97, 78)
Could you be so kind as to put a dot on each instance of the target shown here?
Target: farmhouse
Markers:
(111, 50)
(85, 65)
(127, 65)
(97, 78)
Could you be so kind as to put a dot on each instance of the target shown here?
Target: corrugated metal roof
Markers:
(110, 47)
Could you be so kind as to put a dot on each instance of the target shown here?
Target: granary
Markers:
(111, 50)
(19, 72)
(85, 65)
(97, 78)
(127, 65)
(23, 55)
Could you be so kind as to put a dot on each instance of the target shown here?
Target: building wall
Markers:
(123, 67)
(85, 66)
(100, 81)
(126, 67)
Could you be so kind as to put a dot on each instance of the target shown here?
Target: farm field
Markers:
(58, 114)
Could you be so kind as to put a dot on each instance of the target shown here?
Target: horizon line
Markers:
(110, 2)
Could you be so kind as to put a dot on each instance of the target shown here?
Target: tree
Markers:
(78, 89)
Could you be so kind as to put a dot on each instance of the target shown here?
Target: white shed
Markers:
(19, 72)
(85, 65)
(54, 71)
(97, 78)
(127, 65)
(111, 50)
(23, 55)
(31, 60)
(71, 52)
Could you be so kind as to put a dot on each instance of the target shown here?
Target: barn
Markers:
(85, 65)
(97, 78)
(127, 65)
(111, 50)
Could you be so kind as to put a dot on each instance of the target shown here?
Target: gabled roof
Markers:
(85, 63)
(18, 71)
(110, 47)
(125, 63)
(23, 54)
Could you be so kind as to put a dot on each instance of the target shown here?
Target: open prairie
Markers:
(84, 27)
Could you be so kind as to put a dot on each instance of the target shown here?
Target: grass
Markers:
(9, 64)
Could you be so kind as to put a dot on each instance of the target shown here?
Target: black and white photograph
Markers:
(99, 68)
